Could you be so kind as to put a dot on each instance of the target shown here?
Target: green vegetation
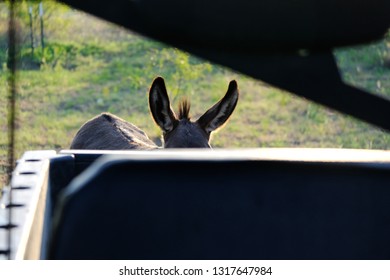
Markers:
(89, 66)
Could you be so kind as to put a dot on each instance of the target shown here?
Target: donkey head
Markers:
(179, 131)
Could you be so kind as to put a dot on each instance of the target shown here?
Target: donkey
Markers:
(109, 132)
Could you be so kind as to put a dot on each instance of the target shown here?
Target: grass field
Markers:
(90, 66)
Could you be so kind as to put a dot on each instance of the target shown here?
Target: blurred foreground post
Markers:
(30, 13)
(11, 118)
(41, 19)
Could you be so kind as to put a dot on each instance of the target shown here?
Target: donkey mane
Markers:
(184, 109)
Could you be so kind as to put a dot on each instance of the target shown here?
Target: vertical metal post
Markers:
(42, 33)
(12, 48)
(30, 12)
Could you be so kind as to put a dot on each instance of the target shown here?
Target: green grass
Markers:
(367, 67)
(90, 66)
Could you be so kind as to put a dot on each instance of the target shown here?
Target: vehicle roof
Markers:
(285, 43)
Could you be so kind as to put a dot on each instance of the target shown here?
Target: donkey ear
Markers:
(160, 107)
(221, 111)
